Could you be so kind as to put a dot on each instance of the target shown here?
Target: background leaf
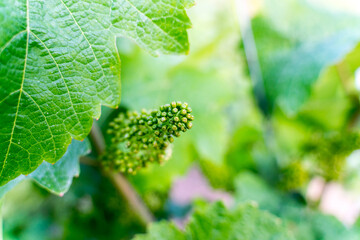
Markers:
(293, 53)
(56, 178)
(216, 222)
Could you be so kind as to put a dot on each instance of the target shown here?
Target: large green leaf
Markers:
(293, 53)
(215, 222)
(58, 63)
(57, 177)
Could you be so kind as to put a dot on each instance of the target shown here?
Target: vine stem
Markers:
(1, 219)
(122, 185)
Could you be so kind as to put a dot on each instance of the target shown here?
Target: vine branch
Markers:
(121, 184)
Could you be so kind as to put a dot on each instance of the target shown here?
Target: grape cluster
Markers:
(142, 138)
(293, 176)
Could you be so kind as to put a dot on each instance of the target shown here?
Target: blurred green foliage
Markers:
(308, 56)
(216, 222)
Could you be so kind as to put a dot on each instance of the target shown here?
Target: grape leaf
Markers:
(59, 63)
(294, 52)
(245, 222)
(55, 178)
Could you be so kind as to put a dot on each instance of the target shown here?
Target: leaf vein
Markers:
(157, 26)
(11, 39)
(47, 123)
(90, 46)
(62, 77)
(21, 87)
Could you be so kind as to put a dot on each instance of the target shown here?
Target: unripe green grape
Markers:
(137, 139)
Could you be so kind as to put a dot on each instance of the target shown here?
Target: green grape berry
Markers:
(141, 138)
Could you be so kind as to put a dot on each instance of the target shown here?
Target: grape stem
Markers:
(122, 185)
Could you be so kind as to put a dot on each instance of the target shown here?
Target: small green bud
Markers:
(154, 129)
(153, 113)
